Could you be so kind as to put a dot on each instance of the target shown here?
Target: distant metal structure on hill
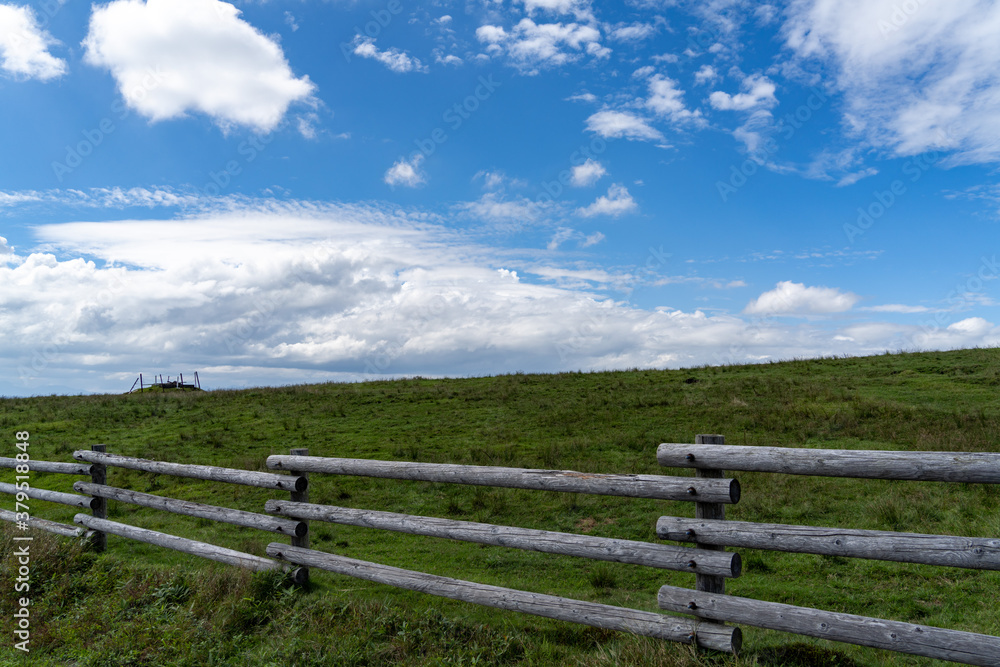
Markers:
(170, 383)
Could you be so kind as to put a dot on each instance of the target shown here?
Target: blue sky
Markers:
(301, 190)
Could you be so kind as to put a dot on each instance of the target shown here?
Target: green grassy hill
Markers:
(139, 605)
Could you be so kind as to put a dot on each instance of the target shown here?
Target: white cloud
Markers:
(633, 32)
(789, 298)
(291, 22)
(286, 292)
(974, 326)
(915, 76)
(449, 59)
(111, 198)
(564, 234)
(393, 58)
(171, 57)
(24, 46)
(643, 72)
(579, 8)
(617, 124)
(667, 100)
(588, 173)
(582, 97)
(617, 202)
(503, 213)
(532, 46)
(854, 177)
(406, 172)
(705, 75)
(758, 92)
(897, 308)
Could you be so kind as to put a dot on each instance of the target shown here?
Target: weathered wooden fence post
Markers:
(301, 575)
(715, 511)
(99, 475)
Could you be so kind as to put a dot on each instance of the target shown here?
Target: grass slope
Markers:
(139, 605)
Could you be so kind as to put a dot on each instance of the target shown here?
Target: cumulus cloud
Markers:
(587, 173)
(789, 298)
(705, 75)
(579, 8)
(172, 57)
(915, 76)
(617, 202)
(612, 124)
(285, 293)
(758, 91)
(24, 46)
(393, 58)
(631, 32)
(406, 172)
(666, 99)
(532, 47)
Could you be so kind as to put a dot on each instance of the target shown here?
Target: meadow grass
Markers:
(142, 605)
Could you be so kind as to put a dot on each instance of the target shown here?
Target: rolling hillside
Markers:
(139, 605)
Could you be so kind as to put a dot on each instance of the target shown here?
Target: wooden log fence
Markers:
(44, 524)
(708, 608)
(632, 486)
(966, 552)
(49, 466)
(264, 480)
(56, 467)
(965, 647)
(187, 508)
(946, 550)
(683, 559)
(71, 499)
(706, 635)
(182, 544)
(972, 468)
(99, 477)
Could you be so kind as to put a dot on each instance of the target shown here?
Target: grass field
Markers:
(139, 605)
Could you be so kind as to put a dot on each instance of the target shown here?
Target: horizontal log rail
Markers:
(187, 508)
(44, 524)
(634, 486)
(264, 480)
(182, 544)
(967, 552)
(684, 559)
(688, 631)
(964, 647)
(71, 499)
(71, 468)
(970, 467)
